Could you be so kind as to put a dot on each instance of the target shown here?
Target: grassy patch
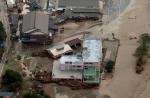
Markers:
(13, 65)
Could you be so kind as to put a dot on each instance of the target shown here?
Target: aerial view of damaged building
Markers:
(54, 25)
(84, 67)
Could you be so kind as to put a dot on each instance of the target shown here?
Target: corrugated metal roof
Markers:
(78, 3)
(35, 20)
(92, 50)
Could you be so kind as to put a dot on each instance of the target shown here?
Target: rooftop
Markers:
(35, 20)
(78, 3)
(92, 50)
(59, 49)
(90, 71)
(91, 75)
(58, 74)
(73, 59)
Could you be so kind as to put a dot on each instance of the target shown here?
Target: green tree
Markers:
(144, 38)
(142, 51)
(109, 66)
(2, 33)
(12, 79)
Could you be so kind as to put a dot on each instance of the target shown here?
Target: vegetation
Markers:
(2, 33)
(13, 65)
(109, 66)
(34, 95)
(12, 79)
(142, 51)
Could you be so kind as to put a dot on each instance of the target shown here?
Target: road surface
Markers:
(4, 19)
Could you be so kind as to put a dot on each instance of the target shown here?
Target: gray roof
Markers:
(78, 3)
(35, 20)
(78, 13)
(14, 20)
(85, 10)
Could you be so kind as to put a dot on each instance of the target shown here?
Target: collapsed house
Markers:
(84, 67)
(35, 28)
(40, 4)
(77, 10)
(37, 4)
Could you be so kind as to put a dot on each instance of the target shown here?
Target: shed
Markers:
(59, 50)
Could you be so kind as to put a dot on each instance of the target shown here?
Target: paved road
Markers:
(4, 19)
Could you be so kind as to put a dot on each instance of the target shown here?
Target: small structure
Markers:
(14, 22)
(74, 41)
(11, 3)
(59, 50)
(35, 28)
(7, 95)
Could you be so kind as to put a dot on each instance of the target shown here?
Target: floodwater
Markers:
(113, 8)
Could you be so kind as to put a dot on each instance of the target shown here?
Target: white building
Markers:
(88, 62)
(71, 63)
(92, 52)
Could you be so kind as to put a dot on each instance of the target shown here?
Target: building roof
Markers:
(85, 10)
(14, 20)
(90, 71)
(73, 59)
(38, 4)
(78, 3)
(92, 50)
(59, 50)
(35, 20)
(58, 74)
(91, 75)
